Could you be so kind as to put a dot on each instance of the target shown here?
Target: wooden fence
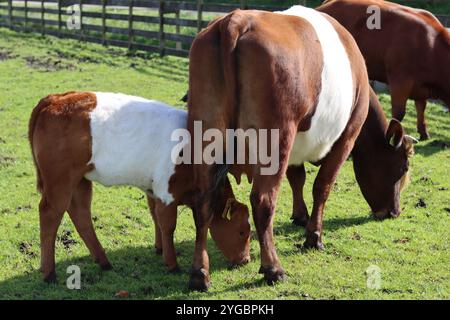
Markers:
(166, 27)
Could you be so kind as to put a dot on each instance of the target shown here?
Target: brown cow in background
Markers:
(410, 52)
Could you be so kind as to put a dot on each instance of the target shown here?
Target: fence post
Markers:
(130, 24)
(161, 29)
(42, 18)
(104, 2)
(10, 13)
(59, 18)
(26, 14)
(199, 15)
(177, 28)
(304, 2)
(80, 3)
(243, 4)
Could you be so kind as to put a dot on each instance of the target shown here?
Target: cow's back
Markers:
(404, 40)
(131, 142)
(262, 70)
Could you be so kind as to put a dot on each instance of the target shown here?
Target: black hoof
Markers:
(301, 222)
(313, 241)
(106, 267)
(424, 136)
(272, 274)
(199, 280)
(50, 278)
(174, 270)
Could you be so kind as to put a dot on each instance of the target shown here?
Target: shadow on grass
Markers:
(431, 147)
(287, 227)
(138, 270)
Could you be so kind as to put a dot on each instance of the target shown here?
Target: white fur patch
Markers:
(131, 142)
(336, 95)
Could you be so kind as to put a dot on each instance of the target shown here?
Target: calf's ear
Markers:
(395, 133)
(226, 214)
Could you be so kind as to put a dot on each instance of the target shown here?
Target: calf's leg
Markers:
(296, 176)
(80, 214)
(158, 236)
(167, 221)
(54, 202)
(421, 123)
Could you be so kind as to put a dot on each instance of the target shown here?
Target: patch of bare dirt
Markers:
(26, 249)
(402, 240)
(7, 160)
(6, 54)
(48, 64)
(66, 239)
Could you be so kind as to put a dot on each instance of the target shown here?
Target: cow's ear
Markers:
(408, 143)
(185, 98)
(395, 133)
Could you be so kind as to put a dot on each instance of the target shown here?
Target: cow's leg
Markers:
(199, 278)
(263, 200)
(158, 237)
(296, 176)
(167, 221)
(329, 170)
(80, 213)
(321, 189)
(400, 91)
(54, 202)
(421, 123)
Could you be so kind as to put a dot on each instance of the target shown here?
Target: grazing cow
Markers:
(379, 166)
(410, 51)
(114, 139)
(299, 72)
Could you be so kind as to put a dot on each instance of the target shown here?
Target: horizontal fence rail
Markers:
(165, 27)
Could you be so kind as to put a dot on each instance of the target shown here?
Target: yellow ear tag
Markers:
(227, 210)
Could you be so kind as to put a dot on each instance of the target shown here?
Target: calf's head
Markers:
(230, 226)
(382, 168)
(230, 231)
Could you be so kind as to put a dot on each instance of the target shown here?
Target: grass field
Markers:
(412, 251)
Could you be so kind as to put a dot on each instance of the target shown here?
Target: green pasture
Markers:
(412, 251)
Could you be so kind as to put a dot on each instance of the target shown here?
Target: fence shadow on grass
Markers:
(151, 64)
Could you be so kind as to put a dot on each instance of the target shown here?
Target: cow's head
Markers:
(382, 170)
(230, 231)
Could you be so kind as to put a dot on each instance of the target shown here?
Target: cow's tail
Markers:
(43, 103)
(231, 28)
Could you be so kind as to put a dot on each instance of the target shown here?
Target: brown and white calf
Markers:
(410, 51)
(115, 139)
(302, 73)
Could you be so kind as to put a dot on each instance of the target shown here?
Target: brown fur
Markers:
(380, 168)
(61, 143)
(411, 52)
(248, 70)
